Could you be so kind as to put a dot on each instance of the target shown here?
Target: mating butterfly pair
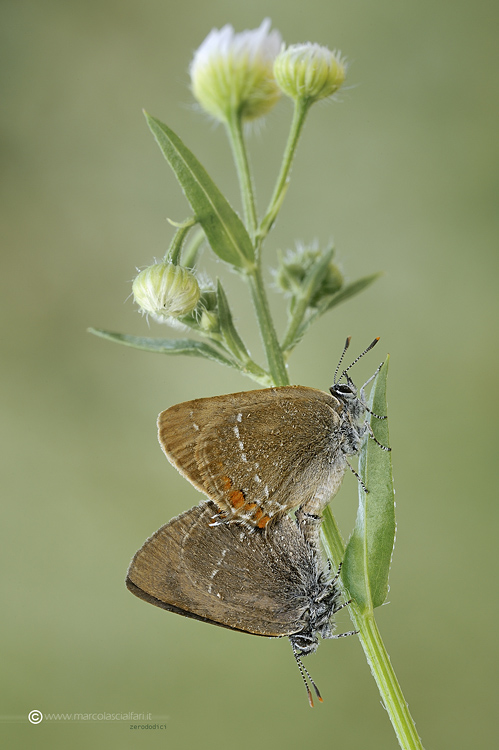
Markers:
(239, 560)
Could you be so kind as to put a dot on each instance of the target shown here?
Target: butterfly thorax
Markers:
(323, 602)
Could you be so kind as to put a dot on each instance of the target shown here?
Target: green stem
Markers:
(252, 370)
(173, 252)
(277, 367)
(238, 145)
(191, 252)
(295, 320)
(374, 649)
(387, 682)
(275, 359)
(299, 115)
(302, 299)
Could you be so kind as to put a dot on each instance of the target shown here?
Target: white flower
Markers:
(309, 72)
(233, 73)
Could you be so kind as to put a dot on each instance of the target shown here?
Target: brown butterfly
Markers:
(259, 454)
(275, 584)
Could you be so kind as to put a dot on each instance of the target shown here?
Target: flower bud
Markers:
(294, 268)
(209, 321)
(208, 308)
(309, 72)
(165, 290)
(232, 73)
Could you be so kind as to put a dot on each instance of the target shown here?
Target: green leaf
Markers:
(224, 229)
(348, 291)
(166, 346)
(368, 553)
(232, 339)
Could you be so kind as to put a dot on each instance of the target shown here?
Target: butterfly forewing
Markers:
(178, 432)
(225, 575)
(255, 453)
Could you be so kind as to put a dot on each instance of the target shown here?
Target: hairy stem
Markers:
(299, 115)
(238, 145)
(277, 366)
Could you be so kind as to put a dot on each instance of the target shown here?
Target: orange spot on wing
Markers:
(236, 499)
(263, 522)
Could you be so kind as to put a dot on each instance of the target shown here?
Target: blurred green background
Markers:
(404, 174)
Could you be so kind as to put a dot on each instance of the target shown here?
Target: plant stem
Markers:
(289, 340)
(299, 115)
(236, 139)
(275, 359)
(374, 649)
(191, 252)
(173, 252)
(303, 297)
(387, 682)
(277, 367)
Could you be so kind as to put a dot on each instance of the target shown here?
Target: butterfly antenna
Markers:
(303, 672)
(347, 344)
(374, 373)
(371, 345)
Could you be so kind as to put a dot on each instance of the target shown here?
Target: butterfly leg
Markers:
(359, 479)
(371, 435)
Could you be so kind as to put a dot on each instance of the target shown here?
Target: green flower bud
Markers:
(208, 321)
(232, 73)
(309, 72)
(208, 308)
(165, 290)
(293, 269)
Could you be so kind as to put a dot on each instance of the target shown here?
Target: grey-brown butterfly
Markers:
(274, 584)
(259, 454)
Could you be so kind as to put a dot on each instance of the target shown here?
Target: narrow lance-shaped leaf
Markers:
(348, 291)
(188, 347)
(368, 553)
(224, 229)
(232, 338)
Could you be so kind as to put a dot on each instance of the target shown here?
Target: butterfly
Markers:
(259, 454)
(274, 584)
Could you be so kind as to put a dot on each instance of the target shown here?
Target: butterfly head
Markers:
(346, 392)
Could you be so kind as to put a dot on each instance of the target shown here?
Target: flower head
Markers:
(309, 72)
(166, 291)
(232, 73)
(293, 273)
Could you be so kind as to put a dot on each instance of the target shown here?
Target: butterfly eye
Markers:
(343, 390)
